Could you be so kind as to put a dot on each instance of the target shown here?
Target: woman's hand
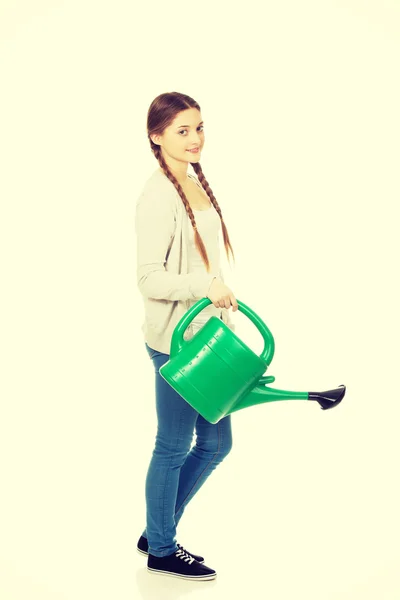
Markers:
(221, 295)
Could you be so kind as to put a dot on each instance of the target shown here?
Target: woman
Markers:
(177, 226)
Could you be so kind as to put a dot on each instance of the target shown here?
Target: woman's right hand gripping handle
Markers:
(221, 295)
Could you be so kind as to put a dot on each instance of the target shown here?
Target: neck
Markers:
(182, 177)
(178, 168)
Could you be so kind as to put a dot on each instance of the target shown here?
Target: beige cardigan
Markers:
(161, 227)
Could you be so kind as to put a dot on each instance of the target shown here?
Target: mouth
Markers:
(193, 150)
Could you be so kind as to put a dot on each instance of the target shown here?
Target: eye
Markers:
(184, 130)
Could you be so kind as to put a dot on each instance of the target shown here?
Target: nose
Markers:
(195, 140)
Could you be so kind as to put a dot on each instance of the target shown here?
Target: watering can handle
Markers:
(177, 340)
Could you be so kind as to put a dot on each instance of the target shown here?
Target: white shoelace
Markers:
(184, 556)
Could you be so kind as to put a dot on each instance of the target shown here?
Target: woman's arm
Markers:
(155, 229)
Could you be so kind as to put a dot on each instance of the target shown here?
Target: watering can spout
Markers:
(261, 393)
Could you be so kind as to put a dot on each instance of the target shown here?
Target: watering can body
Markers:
(215, 371)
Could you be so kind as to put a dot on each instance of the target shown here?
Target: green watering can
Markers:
(218, 374)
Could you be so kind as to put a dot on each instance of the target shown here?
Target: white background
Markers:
(300, 102)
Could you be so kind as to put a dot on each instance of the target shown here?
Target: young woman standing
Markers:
(177, 224)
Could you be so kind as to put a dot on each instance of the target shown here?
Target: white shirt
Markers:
(209, 226)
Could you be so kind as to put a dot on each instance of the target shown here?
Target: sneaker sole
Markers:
(180, 576)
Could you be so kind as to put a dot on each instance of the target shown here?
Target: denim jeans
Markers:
(176, 472)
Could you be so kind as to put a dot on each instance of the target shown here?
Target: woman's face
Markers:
(184, 133)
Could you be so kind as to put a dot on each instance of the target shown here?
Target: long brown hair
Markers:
(161, 113)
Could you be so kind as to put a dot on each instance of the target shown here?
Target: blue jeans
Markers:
(177, 472)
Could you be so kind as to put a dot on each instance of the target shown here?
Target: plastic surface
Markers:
(217, 373)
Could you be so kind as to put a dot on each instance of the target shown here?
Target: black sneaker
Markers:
(179, 564)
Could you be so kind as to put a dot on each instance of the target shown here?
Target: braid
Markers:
(197, 238)
(199, 172)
